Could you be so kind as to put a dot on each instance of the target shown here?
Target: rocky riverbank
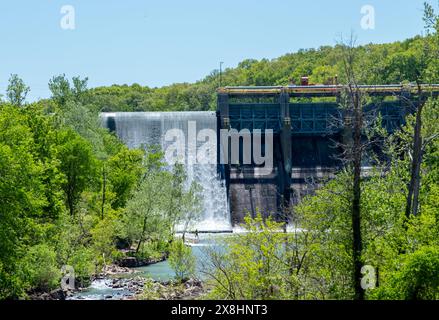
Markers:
(139, 288)
(188, 290)
(114, 269)
(57, 294)
(122, 283)
(106, 273)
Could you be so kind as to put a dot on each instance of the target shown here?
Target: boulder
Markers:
(58, 294)
(133, 262)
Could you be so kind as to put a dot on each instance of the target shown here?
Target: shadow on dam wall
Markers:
(313, 160)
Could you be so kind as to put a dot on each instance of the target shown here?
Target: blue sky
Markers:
(156, 43)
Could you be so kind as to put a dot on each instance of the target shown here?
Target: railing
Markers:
(329, 90)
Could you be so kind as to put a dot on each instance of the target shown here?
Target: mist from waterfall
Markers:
(142, 129)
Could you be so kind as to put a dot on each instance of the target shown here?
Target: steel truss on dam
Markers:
(305, 121)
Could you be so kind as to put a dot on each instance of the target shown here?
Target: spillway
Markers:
(143, 129)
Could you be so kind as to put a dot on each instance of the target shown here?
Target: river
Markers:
(105, 289)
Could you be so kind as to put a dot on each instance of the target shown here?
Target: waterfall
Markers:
(140, 129)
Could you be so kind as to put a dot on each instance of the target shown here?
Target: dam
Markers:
(305, 122)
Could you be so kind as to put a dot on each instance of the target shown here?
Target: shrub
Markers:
(181, 260)
(11, 284)
(41, 268)
(83, 264)
(253, 265)
(417, 279)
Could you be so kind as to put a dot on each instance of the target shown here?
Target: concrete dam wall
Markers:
(308, 130)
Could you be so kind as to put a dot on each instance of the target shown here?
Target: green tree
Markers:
(160, 203)
(78, 165)
(185, 204)
(416, 279)
(61, 90)
(22, 198)
(41, 268)
(181, 260)
(145, 219)
(16, 91)
(251, 265)
(125, 169)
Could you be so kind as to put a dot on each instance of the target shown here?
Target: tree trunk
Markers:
(138, 245)
(356, 199)
(142, 237)
(104, 185)
(71, 203)
(415, 172)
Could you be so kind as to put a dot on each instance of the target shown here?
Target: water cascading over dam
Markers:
(143, 129)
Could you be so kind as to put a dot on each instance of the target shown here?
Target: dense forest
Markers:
(72, 194)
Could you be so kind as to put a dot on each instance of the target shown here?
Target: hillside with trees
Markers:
(390, 63)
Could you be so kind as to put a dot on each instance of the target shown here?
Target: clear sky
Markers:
(156, 43)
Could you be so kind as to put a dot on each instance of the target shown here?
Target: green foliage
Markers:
(125, 168)
(185, 204)
(39, 264)
(145, 219)
(154, 290)
(416, 278)
(50, 208)
(83, 262)
(77, 164)
(181, 260)
(103, 236)
(16, 91)
(327, 216)
(85, 123)
(22, 195)
(61, 90)
(391, 244)
(252, 265)
(11, 283)
(160, 202)
(386, 235)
